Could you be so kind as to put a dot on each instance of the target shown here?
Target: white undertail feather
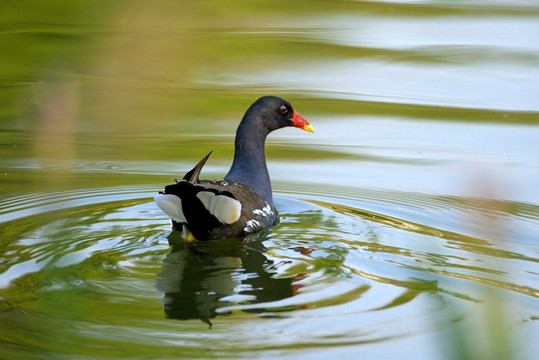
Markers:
(226, 209)
(171, 205)
(205, 197)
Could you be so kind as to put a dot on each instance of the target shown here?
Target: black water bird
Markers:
(241, 203)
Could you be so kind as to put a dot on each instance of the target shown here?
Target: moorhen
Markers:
(242, 202)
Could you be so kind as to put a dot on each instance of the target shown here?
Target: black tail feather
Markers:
(192, 176)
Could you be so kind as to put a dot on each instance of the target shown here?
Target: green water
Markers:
(408, 220)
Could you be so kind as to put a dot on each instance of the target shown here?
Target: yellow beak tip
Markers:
(309, 128)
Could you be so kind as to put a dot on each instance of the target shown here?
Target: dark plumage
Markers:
(242, 203)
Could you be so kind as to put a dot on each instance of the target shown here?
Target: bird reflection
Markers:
(199, 278)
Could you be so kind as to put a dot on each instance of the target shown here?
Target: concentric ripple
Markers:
(333, 273)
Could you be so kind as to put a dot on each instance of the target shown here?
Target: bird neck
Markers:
(249, 165)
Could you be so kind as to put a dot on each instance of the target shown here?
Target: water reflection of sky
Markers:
(486, 63)
(433, 157)
(497, 33)
(483, 86)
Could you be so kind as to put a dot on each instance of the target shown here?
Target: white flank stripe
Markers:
(259, 212)
(171, 205)
(265, 211)
(224, 208)
(251, 225)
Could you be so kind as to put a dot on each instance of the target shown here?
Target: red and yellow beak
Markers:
(300, 122)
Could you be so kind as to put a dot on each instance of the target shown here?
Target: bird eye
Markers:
(283, 109)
